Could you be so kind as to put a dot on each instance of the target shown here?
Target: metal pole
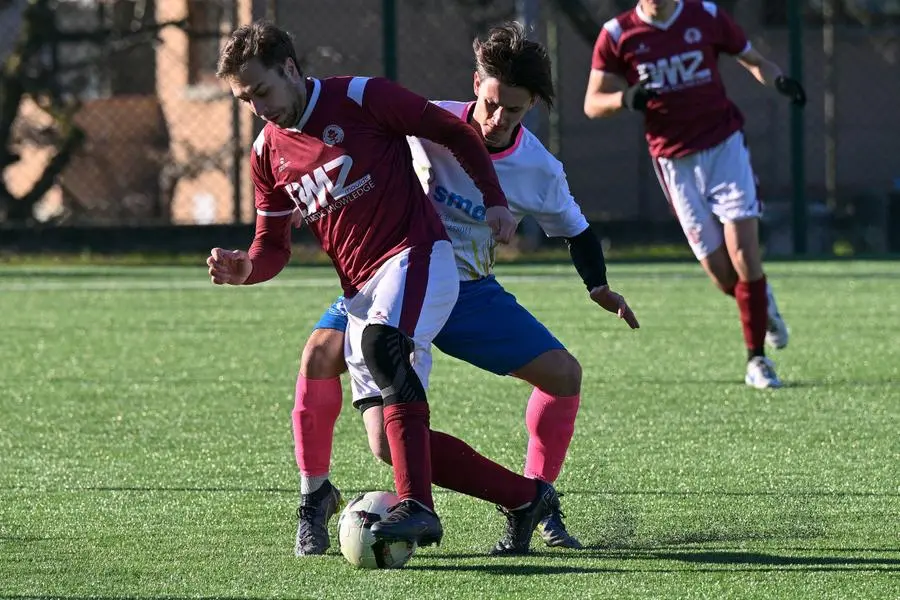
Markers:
(830, 84)
(528, 13)
(798, 173)
(554, 135)
(237, 143)
(389, 37)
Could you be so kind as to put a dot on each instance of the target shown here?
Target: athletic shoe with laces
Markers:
(554, 532)
(409, 521)
(313, 514)
(761, 373)
(521, 523)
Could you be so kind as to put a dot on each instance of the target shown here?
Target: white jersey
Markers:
(532, 179)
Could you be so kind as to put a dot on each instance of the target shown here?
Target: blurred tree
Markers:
(33, 31)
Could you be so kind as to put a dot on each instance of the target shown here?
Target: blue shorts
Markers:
(488, 328)
(335, 317)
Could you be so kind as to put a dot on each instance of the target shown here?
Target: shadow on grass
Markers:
(569, 492)
(695, 561)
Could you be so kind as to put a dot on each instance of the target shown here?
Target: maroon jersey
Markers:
(680, 59)
(348, 169)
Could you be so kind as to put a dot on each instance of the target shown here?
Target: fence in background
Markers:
(110, 113)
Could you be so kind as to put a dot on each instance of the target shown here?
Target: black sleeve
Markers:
(587, 256)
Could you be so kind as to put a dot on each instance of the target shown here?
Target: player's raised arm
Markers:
(561, 216)
(408, 114)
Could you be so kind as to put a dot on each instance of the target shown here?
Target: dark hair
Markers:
(510, 57)
(261, 40)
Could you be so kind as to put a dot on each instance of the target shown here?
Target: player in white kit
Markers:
(661, 58)
(487, 327)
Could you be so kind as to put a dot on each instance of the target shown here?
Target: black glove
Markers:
(637, 96)
(792, 89)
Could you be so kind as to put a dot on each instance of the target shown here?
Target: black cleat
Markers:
(409, 521)
(554, 532)
(520, 524)
(313, 514)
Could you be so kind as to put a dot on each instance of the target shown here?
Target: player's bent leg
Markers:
(751, 293)
(717, 265)
(551, 412)
(550, 421)
(457, 466)
(386, 351)
(317, 404)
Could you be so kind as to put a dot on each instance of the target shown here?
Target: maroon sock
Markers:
(406, 426)
(457, 466)
(753, 303)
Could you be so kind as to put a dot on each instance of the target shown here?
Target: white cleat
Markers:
(761, 374)
(776, 329)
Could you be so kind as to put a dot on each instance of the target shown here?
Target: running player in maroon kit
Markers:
(661, 59)
(336, 150)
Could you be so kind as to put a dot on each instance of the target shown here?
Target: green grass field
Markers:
(146, 451)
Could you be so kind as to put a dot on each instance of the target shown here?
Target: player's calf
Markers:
(386, 352)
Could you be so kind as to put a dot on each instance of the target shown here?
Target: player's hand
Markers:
(637, 96)
(229, 266)
(614, 303)
(502, 223)
(791, 88)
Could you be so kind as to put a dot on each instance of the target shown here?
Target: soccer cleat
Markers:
(409, 521)
(554, 532)
(520, 524)
(313, 514)
(776, 330)
(761, 374)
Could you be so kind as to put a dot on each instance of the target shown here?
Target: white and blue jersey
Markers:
(488, 328)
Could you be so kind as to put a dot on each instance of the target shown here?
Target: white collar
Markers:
(310, 105)
(664, 26)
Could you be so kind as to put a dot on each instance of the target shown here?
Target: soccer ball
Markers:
(358, 545)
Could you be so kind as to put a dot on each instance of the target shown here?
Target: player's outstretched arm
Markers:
(770, 75)
(614, 303)
(587, 256)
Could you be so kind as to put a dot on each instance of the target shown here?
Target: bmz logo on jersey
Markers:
(332, 135)
(676, 72)
(326, 189)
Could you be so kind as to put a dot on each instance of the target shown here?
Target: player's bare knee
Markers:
(747, 263)
(323, 355)
(571, 371)
(557, 373)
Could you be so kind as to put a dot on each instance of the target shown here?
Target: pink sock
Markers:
(551, 423)
(317, 405)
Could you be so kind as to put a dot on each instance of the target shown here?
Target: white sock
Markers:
(309, 483)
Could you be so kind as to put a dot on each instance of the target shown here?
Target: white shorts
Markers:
(708, 188)
(414, 291)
